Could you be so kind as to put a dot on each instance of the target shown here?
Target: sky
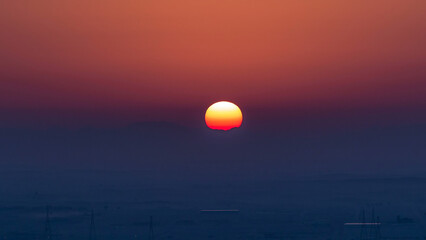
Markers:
(78, 63)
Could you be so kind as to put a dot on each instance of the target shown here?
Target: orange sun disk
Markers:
(223, 115)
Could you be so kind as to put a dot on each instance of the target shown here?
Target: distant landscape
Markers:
(121, 175)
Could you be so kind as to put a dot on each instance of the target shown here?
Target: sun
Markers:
(223, 115)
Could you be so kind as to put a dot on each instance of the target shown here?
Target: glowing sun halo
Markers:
(223, 115)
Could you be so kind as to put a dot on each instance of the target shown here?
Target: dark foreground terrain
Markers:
(308, 208)
(284, 184)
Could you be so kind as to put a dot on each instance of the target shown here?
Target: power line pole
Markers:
(370, 230)
(151, 229)
(373, 227)
(378, 233)
(47, 227)
(361, 237)
(92, 233)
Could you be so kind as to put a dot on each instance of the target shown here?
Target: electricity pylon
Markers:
(370, 230)
(92, 233)
(47, 227)
(151, 229)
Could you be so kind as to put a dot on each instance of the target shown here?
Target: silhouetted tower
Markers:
(362, 224)
(375, 228)
(47, 227)
(378, 234)
(92, 233)
(370, 230)
(151, 229)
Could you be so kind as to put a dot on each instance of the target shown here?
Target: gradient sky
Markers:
(96, 62)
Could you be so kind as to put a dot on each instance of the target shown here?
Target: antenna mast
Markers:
(92, 233)
(47, 227)
(151, 229)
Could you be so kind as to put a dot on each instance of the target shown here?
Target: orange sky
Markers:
(109, 55)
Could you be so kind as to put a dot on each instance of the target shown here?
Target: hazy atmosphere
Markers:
(227, 120)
